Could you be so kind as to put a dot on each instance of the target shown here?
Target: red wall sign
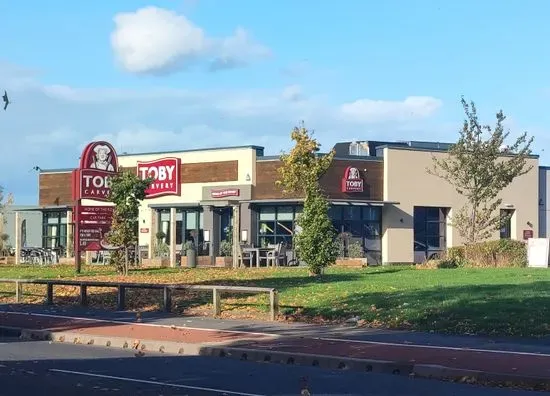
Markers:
(166, 172)
(98, 164)
(527, 234)
(352, 181)
(227, 192)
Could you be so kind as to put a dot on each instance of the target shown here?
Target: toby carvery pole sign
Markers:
(165, 173)
(98, 164)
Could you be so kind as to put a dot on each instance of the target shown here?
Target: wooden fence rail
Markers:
(165, 287)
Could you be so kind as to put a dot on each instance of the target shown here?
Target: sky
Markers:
(168, 75)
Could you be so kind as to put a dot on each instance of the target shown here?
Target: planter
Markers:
(351, 262)
(156, 262)
(201, 261)
(224, 261)
(191, 255)
(66, 260)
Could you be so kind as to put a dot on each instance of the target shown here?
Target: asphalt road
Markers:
(541, 345)
(31, 368)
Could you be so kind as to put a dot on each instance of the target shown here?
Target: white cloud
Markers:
(145, 139)
(293, 93)
(155, 40)
(369, 110)
(48, 125)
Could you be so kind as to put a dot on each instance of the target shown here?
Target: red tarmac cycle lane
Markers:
(502, 362)
(496, 362)
(120, 329)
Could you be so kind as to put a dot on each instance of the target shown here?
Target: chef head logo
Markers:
(353, 174)
(103, 158)
(100, 156)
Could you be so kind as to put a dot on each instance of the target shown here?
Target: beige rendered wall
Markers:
(191, 193)
(407, 182)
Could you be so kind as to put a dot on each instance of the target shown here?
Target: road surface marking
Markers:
(168, 384)
(139, 323)
(465, 349)
(397, 344)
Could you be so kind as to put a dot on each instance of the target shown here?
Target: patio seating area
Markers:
(273, 255)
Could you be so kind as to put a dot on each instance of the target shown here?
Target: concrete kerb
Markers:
(236, 350)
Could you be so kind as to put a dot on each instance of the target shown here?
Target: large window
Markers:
(430, 231)
(189, 227)
(276, 224)
(54, 229)
(364, 224)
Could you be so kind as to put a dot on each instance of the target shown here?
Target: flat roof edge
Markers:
(435, 150)
(345, 158)
(253, 147)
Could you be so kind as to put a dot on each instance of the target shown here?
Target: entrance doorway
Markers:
(225, 229)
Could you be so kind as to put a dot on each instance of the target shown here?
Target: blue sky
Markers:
(153, 75)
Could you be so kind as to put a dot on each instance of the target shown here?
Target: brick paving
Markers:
(494, 362)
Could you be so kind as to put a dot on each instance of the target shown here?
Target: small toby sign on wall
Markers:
(166, 175)
(352, 181)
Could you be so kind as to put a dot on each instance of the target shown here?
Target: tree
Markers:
(479, 166)
(299, 174)
(5, 202)
(127, 192)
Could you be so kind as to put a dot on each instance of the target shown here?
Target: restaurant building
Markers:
(380, 193)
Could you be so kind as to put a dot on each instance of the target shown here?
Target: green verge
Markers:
(489, 301)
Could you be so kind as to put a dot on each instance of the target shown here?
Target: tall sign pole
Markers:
(91, 181)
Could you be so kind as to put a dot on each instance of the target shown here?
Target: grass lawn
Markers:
(460, 301)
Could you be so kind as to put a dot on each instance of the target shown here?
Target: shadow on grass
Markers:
(506, 310)
(493, 310)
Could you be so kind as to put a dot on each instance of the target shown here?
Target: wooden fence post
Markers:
(18, 291)
(83, 295)
(216, 302)
(273, 304)
(167, 299)
(121, 301)
(49, 293)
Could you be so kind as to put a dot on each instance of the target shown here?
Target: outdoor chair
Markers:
(244, 256)
(277, 255)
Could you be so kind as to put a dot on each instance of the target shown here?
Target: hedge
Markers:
(502, 253)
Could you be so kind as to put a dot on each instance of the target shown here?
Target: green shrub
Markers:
(502, 253)
(437, 264)
(455, 257)
(355, 250)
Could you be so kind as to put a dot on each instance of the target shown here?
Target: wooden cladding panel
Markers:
(206, 172)
(55, 189)
(266, 175)
(372, 173)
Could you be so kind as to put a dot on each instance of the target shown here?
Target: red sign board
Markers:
(92, 236)
(92, 180)
(352, 181)
(527, 234)
(95, 214)
(227, 192)
(94, 222)
(166, 175)
(98, 164)
(144, 230)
